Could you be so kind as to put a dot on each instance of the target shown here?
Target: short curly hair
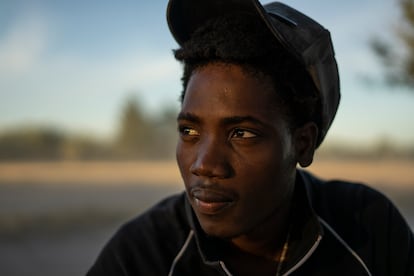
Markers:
(244, 40)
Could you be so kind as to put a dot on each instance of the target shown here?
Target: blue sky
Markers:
(72, 64)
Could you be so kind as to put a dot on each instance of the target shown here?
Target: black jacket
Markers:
(339, 228)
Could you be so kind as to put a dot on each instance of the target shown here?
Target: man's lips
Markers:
(210, 202)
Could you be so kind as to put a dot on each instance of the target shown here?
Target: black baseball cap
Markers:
(300, 35)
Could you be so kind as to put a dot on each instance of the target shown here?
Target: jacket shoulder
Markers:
(339, 201)
(367, 221)
(167, 214)
(147, 244)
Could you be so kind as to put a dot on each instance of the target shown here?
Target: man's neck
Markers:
(267, 239)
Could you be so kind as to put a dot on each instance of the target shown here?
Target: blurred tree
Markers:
(166, 133)
(139, 136)
(31, 144)
(136, 134)
(85, 148)
(399, 65)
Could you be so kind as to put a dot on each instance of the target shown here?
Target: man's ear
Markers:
(305, 138)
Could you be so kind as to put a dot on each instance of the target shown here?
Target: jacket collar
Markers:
(306, 230)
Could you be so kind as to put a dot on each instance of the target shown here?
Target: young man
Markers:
(261, 89)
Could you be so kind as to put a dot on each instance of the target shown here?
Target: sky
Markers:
(73, 64)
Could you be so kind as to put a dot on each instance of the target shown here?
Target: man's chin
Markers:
(219, 229)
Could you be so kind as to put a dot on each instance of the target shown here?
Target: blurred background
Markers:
(89, 93)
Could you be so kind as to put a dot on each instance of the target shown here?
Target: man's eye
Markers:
(242, 133)
(188, 131)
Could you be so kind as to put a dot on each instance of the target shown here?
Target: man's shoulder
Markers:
(341, 192)
(366, 220)
(162, 225)
(169, 214)
(352, 207)
(346, 203)
(147, 244)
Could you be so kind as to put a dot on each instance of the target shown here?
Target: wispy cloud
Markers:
(24, 42)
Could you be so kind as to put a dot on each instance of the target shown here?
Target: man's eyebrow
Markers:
(188, 117)
(233, 120)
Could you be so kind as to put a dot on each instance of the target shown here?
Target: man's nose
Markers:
(212, 160)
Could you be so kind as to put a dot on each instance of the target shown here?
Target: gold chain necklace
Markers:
(283, 254)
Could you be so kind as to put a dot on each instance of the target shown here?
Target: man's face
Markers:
(235, 150)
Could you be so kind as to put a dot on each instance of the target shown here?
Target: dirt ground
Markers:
(398, 173)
